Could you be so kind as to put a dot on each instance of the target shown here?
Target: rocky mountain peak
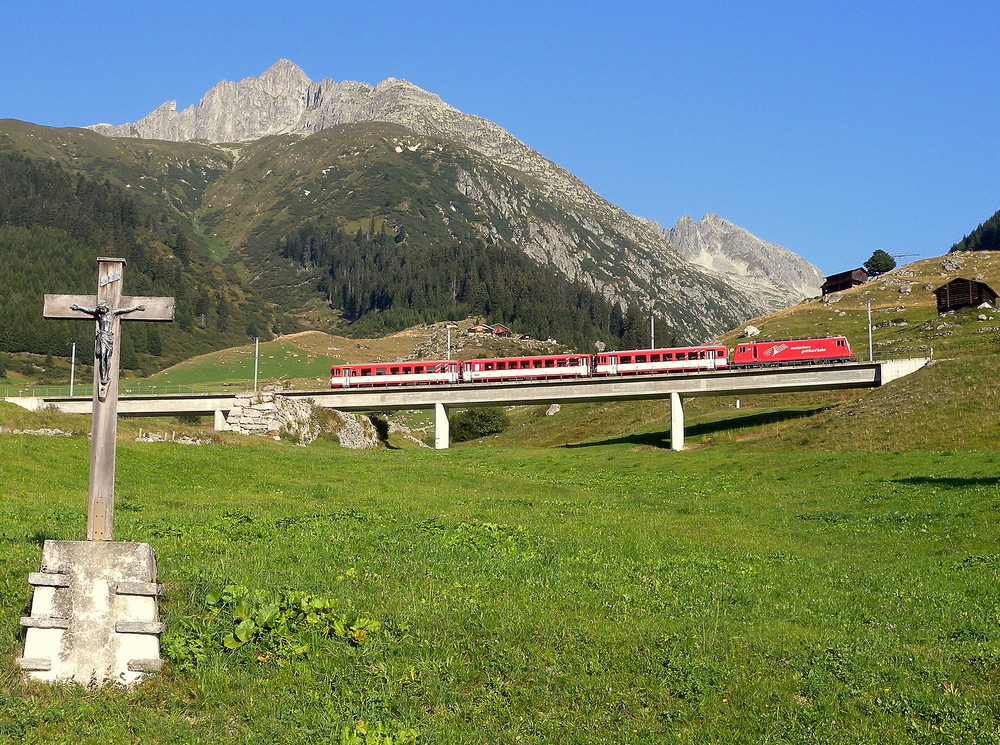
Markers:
(283, 72)
(721, 246)
(281, 100)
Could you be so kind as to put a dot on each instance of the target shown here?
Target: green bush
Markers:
(474, 423)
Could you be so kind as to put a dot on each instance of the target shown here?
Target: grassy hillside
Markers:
(904, 312)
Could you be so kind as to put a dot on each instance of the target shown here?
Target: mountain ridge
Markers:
(284, 101)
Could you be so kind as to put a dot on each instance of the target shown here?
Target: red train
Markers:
(792, 351)
(627, 362)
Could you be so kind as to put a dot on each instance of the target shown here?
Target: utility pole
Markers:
(871, 355)
(72, 369)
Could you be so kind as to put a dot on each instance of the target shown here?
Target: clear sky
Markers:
(832, 128)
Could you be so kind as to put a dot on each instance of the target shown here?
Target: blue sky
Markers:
(833, 129)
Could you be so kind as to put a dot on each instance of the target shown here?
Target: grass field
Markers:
(602, 593)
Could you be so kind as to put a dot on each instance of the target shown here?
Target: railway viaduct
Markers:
(441, 398)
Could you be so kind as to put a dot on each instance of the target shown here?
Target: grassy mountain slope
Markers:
(170, 176)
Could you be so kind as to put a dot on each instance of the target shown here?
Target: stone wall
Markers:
(274, 415)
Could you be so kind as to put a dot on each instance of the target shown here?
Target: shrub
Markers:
(474, 423)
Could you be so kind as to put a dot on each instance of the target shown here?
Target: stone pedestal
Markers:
(94, 616)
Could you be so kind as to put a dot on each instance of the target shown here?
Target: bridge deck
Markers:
(717, 383)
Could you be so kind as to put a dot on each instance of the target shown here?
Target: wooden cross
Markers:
(108, 307)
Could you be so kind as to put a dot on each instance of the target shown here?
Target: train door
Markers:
(612, 366)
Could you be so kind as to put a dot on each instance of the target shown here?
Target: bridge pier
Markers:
(442, 427)
(676, 422)
(220, 421)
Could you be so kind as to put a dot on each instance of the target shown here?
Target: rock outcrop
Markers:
(273, 415)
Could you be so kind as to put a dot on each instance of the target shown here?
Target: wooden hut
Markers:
(964, 293)
(845, 281)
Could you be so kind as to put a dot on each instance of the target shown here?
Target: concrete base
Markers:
(94, 616)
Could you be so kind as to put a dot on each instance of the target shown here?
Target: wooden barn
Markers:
(845, 281)
(964, 293)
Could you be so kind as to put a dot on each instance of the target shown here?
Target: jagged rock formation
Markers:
(721, 246)
(533, 204)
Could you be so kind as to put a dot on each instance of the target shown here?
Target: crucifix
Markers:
(108, 308)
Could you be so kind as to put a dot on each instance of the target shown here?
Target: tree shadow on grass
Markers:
(662, 439)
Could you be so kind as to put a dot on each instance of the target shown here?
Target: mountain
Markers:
(276, 128)
(759, 266)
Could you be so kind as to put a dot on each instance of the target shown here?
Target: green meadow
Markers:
(609, 592)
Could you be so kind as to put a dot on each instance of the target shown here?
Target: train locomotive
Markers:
(605, 364)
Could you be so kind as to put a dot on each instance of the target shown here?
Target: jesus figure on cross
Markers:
(104, 340)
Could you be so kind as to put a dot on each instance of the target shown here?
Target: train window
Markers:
(536, 363)
(394, 371)
(418, 369)
(562, 363)
(840, 342)
(380, 371)
(501, 366)
(550, 363)
(640, 358)
(626, 359)
(488, 366)
(654, 358)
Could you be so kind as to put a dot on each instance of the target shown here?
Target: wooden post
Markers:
(107, 308)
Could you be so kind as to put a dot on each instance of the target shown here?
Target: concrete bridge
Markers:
(442, 398)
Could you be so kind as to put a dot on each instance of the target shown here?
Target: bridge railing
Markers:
(125, 388)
